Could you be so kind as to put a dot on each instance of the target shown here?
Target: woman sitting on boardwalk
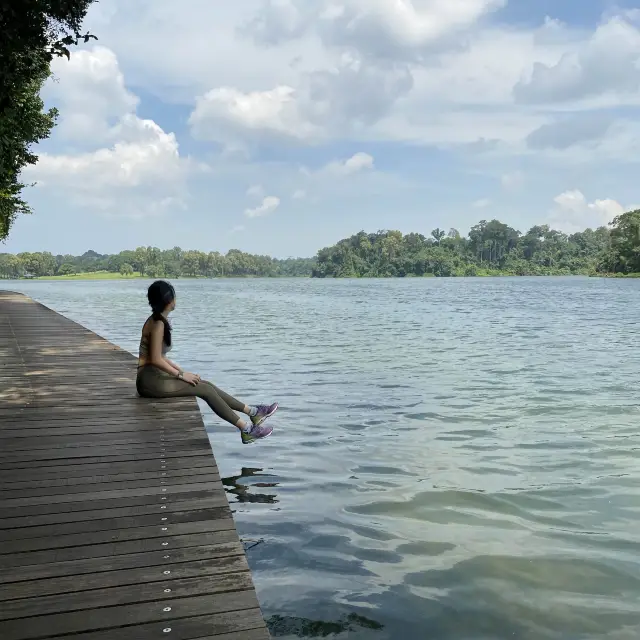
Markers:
(158, 377)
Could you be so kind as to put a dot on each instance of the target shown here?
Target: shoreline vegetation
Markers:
(106, 275)
(491, 249)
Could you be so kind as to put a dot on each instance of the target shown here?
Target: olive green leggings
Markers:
(152, 382)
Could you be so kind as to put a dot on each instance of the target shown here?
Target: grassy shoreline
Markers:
(107, 275)
(481, 274)
(96, 275)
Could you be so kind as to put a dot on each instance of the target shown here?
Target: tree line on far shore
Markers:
(490, 248)
(152, 262)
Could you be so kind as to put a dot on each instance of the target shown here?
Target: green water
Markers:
(453, 459)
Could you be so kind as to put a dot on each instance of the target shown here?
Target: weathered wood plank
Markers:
(114, 522)
(109, 503)
(98, 468)
(29, 481)
(220, 521)
(236, 623)
(116, 548)
(104, 519)
(127, 614)
(85, 566)
(104, 525)
(99, 440)
(167, 590)
(228, 563)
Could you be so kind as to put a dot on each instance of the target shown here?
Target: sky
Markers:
(281, 126)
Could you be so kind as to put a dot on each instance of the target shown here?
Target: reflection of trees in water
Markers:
(241, 491)
(306, 628)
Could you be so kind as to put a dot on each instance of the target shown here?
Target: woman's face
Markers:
(172, 304)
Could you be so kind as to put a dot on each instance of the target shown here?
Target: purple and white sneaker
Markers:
(255, 433)
(264, 412)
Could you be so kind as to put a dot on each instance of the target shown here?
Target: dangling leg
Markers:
(258, 413)
(223, 405)
(154, 383)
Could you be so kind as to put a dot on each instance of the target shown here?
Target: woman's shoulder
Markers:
(149, 323)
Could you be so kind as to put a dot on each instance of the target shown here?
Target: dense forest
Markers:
(491, 248)
(152, 262)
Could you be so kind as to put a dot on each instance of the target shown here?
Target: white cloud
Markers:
(605, 64)
(138, 172)
(299, 194)
(368, 70)
(226, 113)
(329, 103)
(483, 203)
(90, 92)
(358, 162)
(268, 205)
(573, 212)
(381, 28)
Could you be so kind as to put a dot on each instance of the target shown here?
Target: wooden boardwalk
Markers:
(113, 521)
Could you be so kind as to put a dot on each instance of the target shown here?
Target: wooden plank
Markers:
(115, 523)
(227, 563)
(146, 559)
(122, 488)
(36, 429)
(233, 623)
(100, 439)
(29, 481)
(220, 521)
(154, 592)
(113, 516)
(108, 503)
(150, 495)
(168, 543)
(81, 455)
(104, 525)
(98, 468)
(127, 614)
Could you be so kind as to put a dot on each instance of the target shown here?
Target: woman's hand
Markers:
(191, 378)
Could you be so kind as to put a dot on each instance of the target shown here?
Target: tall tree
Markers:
(625, 243)
(33, 33)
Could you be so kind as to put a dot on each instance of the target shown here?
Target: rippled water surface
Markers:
(453, 459)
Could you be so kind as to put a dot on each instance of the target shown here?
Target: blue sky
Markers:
(282, 126)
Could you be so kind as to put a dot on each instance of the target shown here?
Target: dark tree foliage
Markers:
(155, 263)
(32, 33)
(623, 255)
(491, 248)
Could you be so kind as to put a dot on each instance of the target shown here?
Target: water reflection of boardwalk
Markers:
(115, 525)
(247, 493)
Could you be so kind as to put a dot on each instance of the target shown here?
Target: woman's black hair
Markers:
(160, 294)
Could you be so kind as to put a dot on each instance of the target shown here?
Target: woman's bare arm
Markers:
(174, 365)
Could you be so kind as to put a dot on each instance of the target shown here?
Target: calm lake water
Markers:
(453, 459)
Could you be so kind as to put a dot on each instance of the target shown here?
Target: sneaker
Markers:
(255, 433)
(264, 412)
